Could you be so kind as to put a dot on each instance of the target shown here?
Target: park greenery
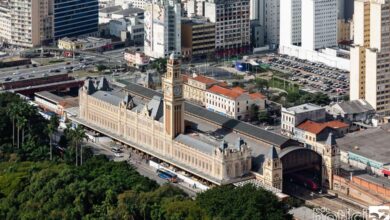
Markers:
(39, 181)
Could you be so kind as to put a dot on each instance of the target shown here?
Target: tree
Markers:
(262, 84)
(52, 127)
(77, 135)
(12, 112)
(264, 116)
(253, 112)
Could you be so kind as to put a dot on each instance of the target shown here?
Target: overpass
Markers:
(57, 86)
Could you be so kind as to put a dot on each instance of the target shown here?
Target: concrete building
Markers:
(344, 28)
(232, 25)
(272, 22)
(234, 103)
(30, 22)
(5, 22)
(157, 127)
(315, 37)
(50, 102)
(319, 26)
(135, 58)
(370, 57)
(119, 12)
(74, 18)
(135, 3)
(352, 111)
(257, 34)
(292, 117)
(196, 86)
(198, 36)
(88, 43)
(162, 28)
(291, 22)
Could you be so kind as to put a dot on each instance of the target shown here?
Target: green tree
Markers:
(12, 112)
(76, 136)
(264, 116)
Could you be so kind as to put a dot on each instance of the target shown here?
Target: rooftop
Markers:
(49, 96)
(204, 79)
(355, 106)
(304, 108)
(371, 143)
(231, 93)
(317, 127)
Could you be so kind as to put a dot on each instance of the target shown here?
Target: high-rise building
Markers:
(232, 25)
(370, 56)
(290, 22)
(5, 22)
(75, 18)
(30, 22)
(272, 22)
(319, 24)
(162, 28)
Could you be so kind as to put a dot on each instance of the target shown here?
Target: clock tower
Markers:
(173, 98)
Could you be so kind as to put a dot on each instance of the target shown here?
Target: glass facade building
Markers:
(75, 17)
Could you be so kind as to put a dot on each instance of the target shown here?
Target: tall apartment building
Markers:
(232, 26)
(370, 57)
(319, 24)
(75, 18)
(162, 28)
(5, 22)
(272, 22)
(30, 22)
(290, 22)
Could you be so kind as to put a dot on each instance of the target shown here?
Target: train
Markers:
(303, 181)
(164, 174)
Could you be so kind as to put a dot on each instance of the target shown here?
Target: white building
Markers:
(291, 117)
(5, 22)
(308, 30)
(135, 59)
(232, 25)
(290, 22)
(370, 58)
(162, 28)
(319, 24)
(235, 103)
(135, 3)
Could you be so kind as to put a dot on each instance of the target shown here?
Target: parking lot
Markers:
(314, 77)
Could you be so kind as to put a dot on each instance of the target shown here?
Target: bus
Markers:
(164, 174)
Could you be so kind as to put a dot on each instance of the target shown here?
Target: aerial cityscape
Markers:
(195, 109)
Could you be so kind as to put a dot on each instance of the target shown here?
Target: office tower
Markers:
(290, 23)
(232, 26)
(319, 24)
(162, 28)
(272, 22)
(5, 22)
(257, 10)
(75, 18)
(370, 56)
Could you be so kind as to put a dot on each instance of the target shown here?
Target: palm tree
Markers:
(77, 135)
(52, 127)
(21, 122)
(12, 112)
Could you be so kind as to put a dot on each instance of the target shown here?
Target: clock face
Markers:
(177, 90)
(167, 90)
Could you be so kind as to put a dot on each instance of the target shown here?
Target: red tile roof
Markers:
(239, 90)
(257, 95)
(225, 91)
(316, 127)
(185, 78)
(204, 79)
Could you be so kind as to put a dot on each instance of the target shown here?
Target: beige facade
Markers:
(343, 30)
(198, 36)
(157, 128)
(5, 22)
(370, 58)
(31, 22)
(195, 88)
